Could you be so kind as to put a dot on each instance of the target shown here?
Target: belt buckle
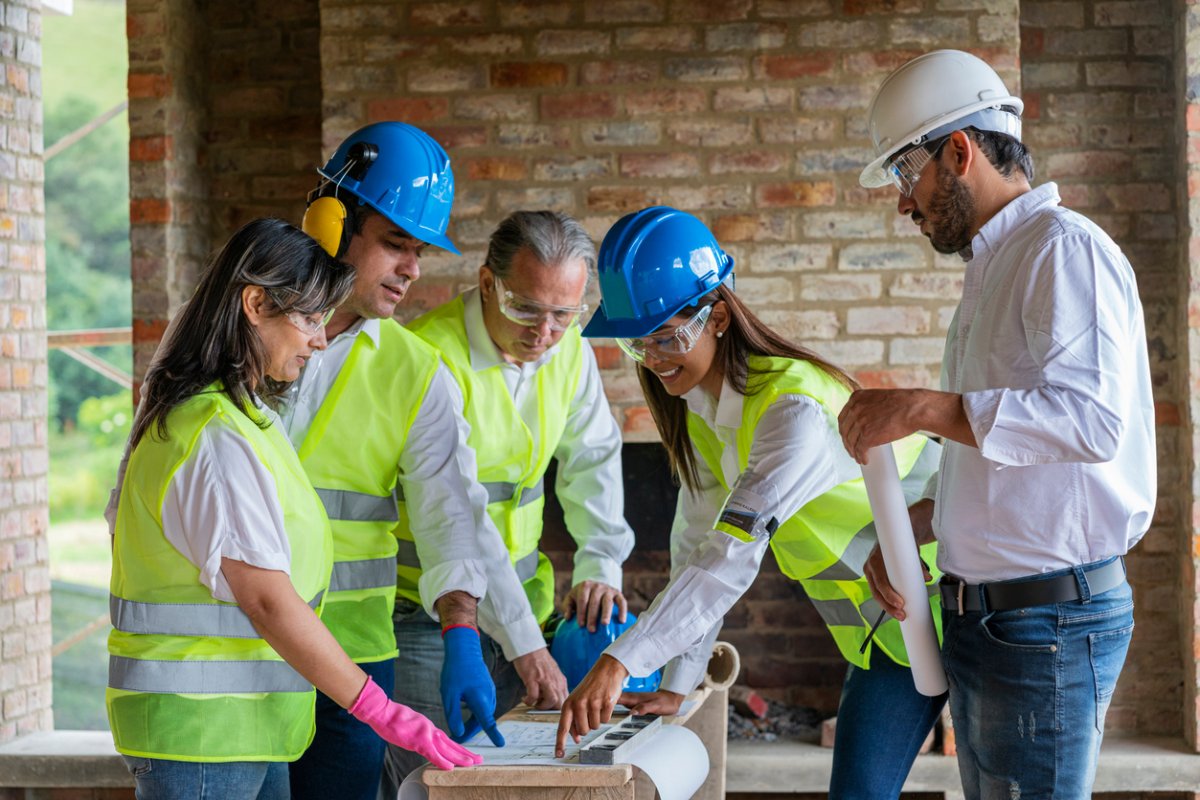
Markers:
(961, 587)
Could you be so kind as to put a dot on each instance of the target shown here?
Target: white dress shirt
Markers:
(589, 484)
(445, 501)
(1048, 349)
(796, 455)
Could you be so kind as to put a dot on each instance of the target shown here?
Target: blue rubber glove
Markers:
(465, 679)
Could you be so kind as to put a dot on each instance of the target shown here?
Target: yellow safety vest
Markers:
(511, 467)
(824, 544)
(189, 677)
(351, 454)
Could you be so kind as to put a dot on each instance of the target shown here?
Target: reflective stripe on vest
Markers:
(499, 492)
(185, 619)
(342, 504)
(371, 573)
(203, 677)
(406, 556)
(843, 611)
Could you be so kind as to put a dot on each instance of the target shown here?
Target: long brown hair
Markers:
(213, 340)
(746, 336)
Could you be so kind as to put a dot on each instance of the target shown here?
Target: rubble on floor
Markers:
(782, 721)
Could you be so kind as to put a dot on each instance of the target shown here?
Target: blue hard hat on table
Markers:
(402, 173)
(575, 649)
(652, 264)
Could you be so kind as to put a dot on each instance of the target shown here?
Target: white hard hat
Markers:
(933, 95)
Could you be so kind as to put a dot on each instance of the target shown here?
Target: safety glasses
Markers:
(905, 169)
(665, 344)
(531, 313)
(307, 324)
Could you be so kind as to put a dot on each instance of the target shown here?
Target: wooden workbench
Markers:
(708, 719)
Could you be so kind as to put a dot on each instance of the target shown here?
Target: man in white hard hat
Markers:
(1048, 474)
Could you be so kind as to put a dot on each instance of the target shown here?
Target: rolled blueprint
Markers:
(903, 563)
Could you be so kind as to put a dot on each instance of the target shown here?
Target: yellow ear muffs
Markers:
(325, 221)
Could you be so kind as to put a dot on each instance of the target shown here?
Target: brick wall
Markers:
(1099, 85)
(1187, 339)
(24, 515)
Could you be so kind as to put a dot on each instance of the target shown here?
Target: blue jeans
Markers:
(1029, 689)
(418, 679)
(882, 721)
(345, 759)
(163, 779)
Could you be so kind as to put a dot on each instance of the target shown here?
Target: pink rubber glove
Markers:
(405, 728)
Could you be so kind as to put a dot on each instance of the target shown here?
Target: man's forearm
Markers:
(457, 608)
(942, 413)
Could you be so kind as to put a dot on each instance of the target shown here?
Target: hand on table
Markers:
(545, 685)
(405, 728)
(591, 704)
(661, 702)
(465, 679)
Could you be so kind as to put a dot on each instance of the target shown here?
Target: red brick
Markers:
(1167, 414)
(790, 67)
(578, 105)
(618, 199)
(796, 193)
(452, 137)
(666, 101)
(445, 15)
(496, 169)
(528, 73)
(608, 356)
(911, 378)
(150, 148)
(1193, 117)
(408, 109)
(638, 420)
(751, 227)
(659, 165)
(426, 295)
(144, 85)
(750, 161)
(149, 210)
(148, 330)
(608, 73)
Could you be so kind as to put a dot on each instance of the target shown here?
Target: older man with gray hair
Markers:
(531, 392)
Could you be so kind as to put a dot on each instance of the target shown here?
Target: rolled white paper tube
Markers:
(723, 666)
(903, 563)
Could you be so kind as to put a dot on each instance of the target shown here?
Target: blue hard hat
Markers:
(402, 173)
(651, 264)
(576, 649)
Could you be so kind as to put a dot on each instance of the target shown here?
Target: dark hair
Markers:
(1004, 152)
(746, 336)
(213, 341)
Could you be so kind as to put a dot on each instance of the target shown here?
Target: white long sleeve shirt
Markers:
(796, 455)
(1048, 349)
(455, 538)
(589, 484)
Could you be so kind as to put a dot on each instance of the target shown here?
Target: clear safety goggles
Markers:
(531, 313)
(905, 169)
(669, 343)
(307, 324)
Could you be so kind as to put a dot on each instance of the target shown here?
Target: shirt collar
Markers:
(484, 352)
(725, 412)
(1000, 227)
(362, 325)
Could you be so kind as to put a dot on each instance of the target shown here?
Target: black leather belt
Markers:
(1025, 592)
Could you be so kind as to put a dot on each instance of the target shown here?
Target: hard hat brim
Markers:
(601, 327)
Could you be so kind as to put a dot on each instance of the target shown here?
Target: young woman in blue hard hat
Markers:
(749, 420)
(222, 550)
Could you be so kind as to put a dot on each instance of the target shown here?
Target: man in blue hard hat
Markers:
(377, 422)
(532, 392)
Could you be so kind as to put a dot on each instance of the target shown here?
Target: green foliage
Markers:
(81, 473)
(107, 419)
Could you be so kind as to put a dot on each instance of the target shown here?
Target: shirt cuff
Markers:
(981, 409)
(682, 675)
(451, 576)
(520, 637)
(640, 657)
(589, 567)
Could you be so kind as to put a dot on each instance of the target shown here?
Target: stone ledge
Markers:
(64, 759)
(1126, 765)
